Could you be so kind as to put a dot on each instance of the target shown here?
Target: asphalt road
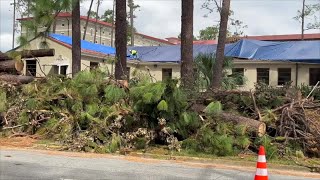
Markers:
(22, 165)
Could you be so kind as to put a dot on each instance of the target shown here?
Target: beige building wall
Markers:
(103, 35)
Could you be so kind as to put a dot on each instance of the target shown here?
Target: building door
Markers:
(31, 67)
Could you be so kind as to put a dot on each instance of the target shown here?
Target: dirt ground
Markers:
(18, 142)
(31, 143)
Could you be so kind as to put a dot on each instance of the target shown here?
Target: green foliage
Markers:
(188, 123)
(213, 108)
(114, 94)
(305, 91)
(205, 64)
(220, 139)
(209, 33)
(270, 148)
(114, 144)
(162, 106)
(3, 100)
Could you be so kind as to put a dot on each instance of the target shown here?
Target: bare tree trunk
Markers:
(54, 24)
(302, 19)
(87, 21)
(14, 23)
(121, 40)
(76, 38)
(112, 28)
(131, 21)
(16, 79)
(187, 74)
(96, 23)
(30, 54)
(218, 67)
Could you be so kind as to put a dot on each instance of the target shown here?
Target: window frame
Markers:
(236, 70)
(264, 77)
(289, 76)
(315, 77)
(166, 70)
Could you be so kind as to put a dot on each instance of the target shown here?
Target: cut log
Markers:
(16, 79)
(11, 65)
(30, 54)
(253, 125)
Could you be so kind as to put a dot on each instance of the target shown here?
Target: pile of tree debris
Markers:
(95, 114)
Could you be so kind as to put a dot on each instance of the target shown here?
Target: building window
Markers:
(263, 75)
(102, 32)
(239, 74)
(166, 74)
(31, 67)
(62, 33)
(94, 65)
(62, 24)
(63, 70)
(103, 43)
(96, 42)
(284, 76)
(314, 76)
(91, 32)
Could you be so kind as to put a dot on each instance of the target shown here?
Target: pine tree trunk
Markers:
(76, 38)
(112, 30)
(87, 21)
(131, 22)
(302, 19)
(218, 68)
(16, 79)
(96, 23)
(121, 41)
(187, 72)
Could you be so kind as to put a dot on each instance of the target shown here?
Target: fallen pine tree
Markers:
(93, 113)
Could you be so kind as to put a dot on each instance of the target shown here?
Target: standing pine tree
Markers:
(121, 40)
(76, 38)
(187, 74)
(218, 68)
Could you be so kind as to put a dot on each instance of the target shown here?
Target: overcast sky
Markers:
(161, 18)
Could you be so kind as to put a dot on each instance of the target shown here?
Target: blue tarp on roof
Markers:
(295, 51)
(86, 45)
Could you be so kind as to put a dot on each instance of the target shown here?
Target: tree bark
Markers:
(121, 41)
(87, 21)
(76, 38)
(96, 23)
(302, 19)
(131, 21)
(187, 73)
(253, 125)
(10, 66)
(112, 28)
(218, 67)
(30, 54)
(16, 79)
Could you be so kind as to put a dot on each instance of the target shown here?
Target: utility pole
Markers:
(131, 6)
(14, 23)
(112, 27)
(302, 19)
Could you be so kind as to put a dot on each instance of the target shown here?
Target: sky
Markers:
(162, 18)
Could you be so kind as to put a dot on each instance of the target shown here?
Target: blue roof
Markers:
(295, 51)
(85, 45)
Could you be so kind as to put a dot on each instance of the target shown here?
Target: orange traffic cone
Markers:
(261, 172)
